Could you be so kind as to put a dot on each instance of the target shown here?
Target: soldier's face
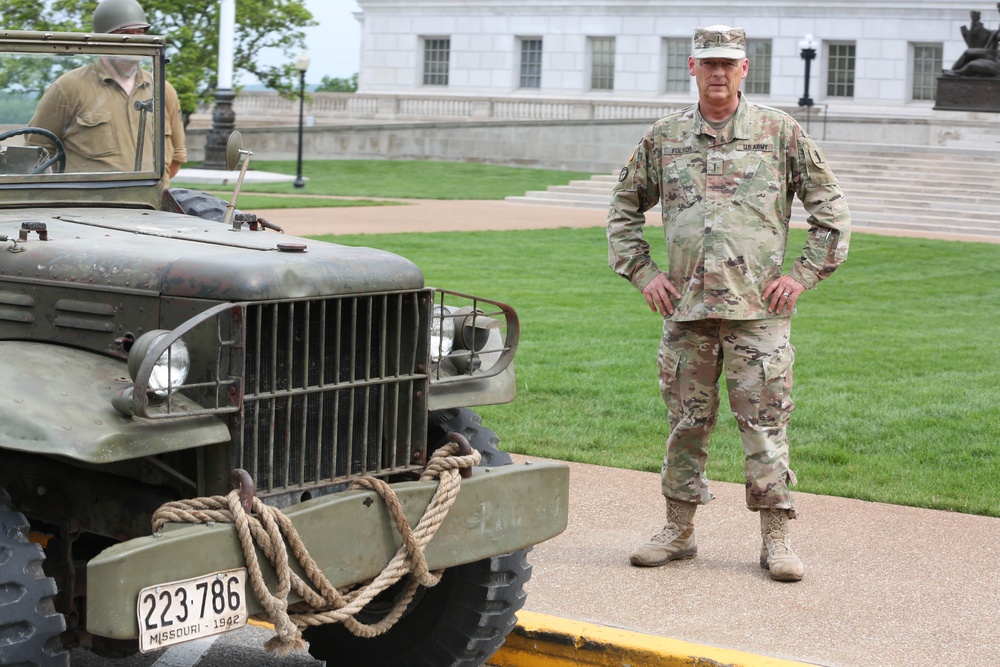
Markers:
(718, 79)
(124, 65)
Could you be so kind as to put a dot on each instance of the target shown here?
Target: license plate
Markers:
(184, 610)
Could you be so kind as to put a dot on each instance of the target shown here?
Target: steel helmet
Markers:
(112, 15)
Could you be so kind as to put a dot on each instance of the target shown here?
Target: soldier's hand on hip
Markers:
(659, 294)
(783, 293)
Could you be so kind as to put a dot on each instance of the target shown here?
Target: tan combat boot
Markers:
(776, 553)
(676, 540)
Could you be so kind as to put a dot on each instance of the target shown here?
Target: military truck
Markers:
(155, 354)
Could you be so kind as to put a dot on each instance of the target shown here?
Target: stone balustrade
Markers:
(268, 107)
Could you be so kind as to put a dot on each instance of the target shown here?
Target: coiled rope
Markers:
(322, 603)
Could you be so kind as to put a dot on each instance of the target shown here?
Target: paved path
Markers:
(456, 215)
(430, 216)
(884, 585)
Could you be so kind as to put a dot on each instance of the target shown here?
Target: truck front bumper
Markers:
(350, 535)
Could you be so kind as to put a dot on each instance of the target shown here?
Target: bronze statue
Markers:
(981, 57)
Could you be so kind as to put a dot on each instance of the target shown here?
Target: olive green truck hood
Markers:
(184, 256)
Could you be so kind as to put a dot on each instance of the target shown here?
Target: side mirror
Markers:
(234, 154)
(234, 150)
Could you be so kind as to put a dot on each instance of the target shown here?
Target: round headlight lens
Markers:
(442, 332)
(171, 369)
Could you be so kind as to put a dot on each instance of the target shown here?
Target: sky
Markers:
(334, 46)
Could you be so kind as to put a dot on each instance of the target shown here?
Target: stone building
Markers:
(571, 84)
(885, 53)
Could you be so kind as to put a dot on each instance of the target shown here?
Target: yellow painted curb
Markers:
(547, 641)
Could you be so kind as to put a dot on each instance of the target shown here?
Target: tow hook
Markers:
(464, 449)
(240, 480)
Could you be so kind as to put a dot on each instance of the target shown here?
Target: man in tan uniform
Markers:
(725, 172)
(174, 148)
(92, 109)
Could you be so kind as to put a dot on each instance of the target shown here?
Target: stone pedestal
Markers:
(968, 93)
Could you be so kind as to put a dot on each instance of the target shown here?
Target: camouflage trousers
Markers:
(758, 358)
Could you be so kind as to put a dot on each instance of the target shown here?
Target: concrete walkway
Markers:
(459, 215)
(884, 585)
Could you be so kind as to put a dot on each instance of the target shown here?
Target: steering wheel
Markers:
(59, 157)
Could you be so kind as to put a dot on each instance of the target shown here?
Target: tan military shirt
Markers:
(96, 119)
(726, 204)
(174, 147)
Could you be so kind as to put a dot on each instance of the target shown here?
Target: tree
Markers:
(191, 28)
(333, 84)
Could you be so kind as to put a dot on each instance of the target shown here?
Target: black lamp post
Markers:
(807, 50)
(301, 64)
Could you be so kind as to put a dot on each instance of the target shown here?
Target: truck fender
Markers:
(56, 401)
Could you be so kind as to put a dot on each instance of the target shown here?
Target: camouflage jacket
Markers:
(726, 204)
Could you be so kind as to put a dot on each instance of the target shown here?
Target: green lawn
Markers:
(409, 179)
(897, 363)
(896, 366)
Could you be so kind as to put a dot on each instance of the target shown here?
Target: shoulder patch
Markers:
(816, 157)
(814, 162)
(623, 174)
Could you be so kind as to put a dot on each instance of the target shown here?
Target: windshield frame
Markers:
(55, 44)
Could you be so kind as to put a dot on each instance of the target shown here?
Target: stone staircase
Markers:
(908, 188)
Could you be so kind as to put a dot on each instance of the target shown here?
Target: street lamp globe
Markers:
(302, 62)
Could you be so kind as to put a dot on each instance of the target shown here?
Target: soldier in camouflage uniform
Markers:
(725, 172)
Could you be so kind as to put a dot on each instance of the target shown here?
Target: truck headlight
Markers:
(471, 339)
(480, 335)
(442, 332)
(170, 370)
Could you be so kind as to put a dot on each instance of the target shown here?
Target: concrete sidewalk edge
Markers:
(539, 640)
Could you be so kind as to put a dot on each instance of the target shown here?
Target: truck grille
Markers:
(334, 388)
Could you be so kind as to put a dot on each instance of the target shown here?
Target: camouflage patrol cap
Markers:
(720, 41)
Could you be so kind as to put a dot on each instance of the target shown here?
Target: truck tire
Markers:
(467, 423)
(460, 622)
(29, 624)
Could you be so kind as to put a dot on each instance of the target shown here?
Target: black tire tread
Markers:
(468, 423)
(30, 627)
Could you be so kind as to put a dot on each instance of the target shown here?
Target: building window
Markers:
(926, 67)
(840, 70)
(676, 52)
(531, 63)
(758, 81)
(602, 63)
(436, 53)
